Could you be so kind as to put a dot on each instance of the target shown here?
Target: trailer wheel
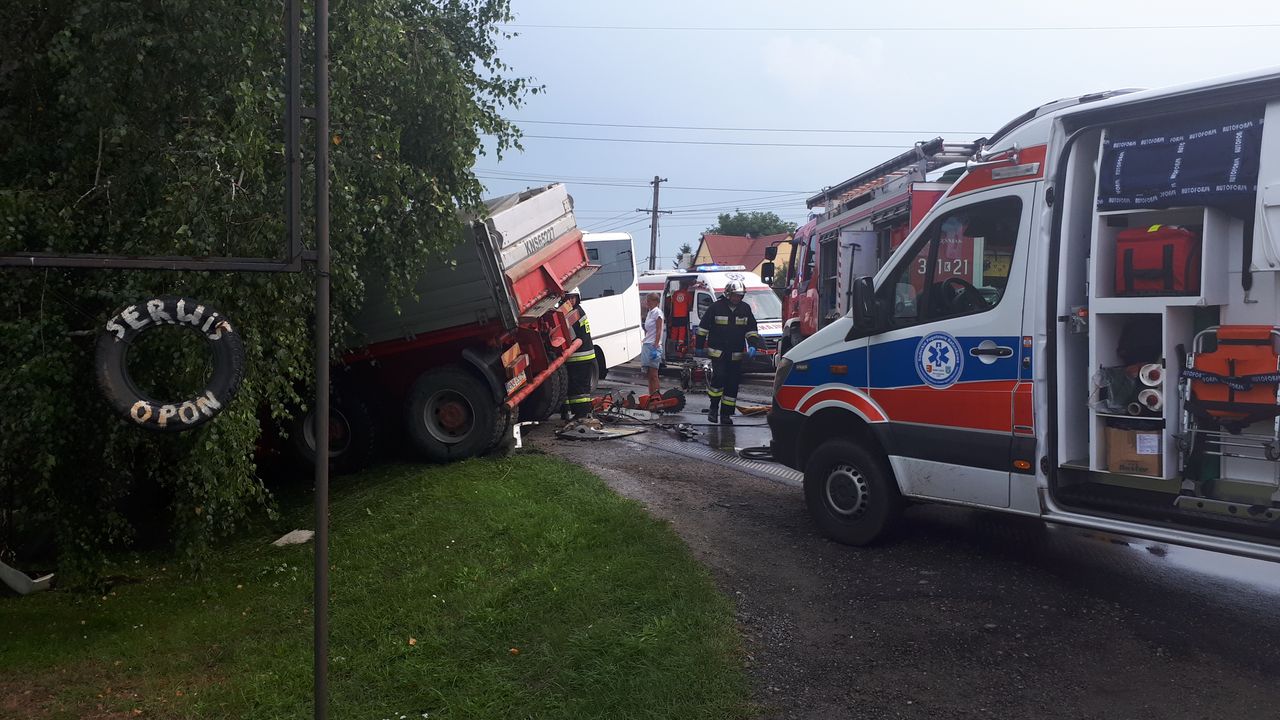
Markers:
(503, 441)
(353, 436)
(851, 493)
(450, 414)
(602, 367)
(544, 401)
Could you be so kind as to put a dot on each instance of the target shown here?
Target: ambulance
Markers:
(1085, 329)
(686, 295)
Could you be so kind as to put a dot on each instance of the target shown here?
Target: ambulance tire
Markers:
(451, 415)
(546, 400)
(851, 493)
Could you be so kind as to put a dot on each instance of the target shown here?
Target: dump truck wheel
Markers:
(543, 402)
(450, 414)
(353, 436)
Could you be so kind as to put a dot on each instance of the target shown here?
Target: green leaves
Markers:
(157, 128)
(753, 223)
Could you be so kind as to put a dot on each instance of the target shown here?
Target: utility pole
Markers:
(653, 223)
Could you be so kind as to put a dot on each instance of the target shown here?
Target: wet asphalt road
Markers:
(964, 613)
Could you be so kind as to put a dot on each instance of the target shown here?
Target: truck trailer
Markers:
(484, 334)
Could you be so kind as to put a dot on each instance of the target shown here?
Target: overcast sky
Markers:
(920, 70)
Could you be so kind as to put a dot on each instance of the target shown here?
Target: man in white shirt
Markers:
(651, 349)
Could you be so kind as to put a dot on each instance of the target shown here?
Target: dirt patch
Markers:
(965, 614)
(91, 693)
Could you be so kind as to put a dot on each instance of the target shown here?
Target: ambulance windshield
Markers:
(765, 304)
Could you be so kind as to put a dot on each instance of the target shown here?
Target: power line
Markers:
(750, 199)
(642, 183)
(887, 29)
(611, 219)
(592, 178)
(750, 129)
(775, 199)
(898, 146)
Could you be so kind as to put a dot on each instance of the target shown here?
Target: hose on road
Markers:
(759, 452)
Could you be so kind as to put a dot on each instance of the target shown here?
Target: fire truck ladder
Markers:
(925, 157)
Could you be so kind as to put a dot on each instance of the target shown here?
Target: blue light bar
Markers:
(718, 268)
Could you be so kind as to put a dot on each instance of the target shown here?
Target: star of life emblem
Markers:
(939, 360)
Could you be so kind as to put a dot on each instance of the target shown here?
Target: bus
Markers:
(611, 298)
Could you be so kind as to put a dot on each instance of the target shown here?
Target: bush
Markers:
(147, 127)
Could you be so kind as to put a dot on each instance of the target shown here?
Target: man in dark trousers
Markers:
(725, 329)
(580, 366)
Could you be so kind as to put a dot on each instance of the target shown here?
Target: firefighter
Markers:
(579, 367)
(725, 328)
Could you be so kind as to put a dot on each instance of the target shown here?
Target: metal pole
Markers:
(322, 363)
(653, 227)
(293, 130)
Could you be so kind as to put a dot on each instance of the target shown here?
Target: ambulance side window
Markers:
(704, 303)
(959, 266)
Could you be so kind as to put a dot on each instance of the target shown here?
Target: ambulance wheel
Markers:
(851, 493)
(451, 414)
(543, 402)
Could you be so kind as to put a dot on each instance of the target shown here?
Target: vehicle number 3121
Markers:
(945, 267)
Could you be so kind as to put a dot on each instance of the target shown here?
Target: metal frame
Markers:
(1219, 442)
(292, 262)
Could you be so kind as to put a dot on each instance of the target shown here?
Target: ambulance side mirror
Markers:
(766, 272)
(864, 304)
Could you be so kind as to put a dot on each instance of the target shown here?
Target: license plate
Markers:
(515, 382)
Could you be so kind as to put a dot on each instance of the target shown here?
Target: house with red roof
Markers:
(741, 250)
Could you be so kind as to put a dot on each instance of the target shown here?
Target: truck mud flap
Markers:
(486, 371)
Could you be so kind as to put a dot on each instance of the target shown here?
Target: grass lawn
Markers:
(504, 588)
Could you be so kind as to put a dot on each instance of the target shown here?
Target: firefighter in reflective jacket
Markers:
(580, 365)
(725, 329)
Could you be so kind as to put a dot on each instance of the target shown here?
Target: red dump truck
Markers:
(486, 333)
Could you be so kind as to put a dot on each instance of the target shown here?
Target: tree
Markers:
(156, 128)
(750, 223)
(685, 253)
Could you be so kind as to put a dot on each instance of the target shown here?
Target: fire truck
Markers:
(484, 333)
(854, 227)
(1085, 328)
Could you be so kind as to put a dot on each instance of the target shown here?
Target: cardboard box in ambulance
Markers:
(686, 295)
(1013, 355)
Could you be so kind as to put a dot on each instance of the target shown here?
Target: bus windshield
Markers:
(765, 304)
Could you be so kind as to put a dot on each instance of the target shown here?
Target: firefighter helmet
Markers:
(734, 287)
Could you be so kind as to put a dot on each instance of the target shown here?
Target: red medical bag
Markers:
(1158, 260)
